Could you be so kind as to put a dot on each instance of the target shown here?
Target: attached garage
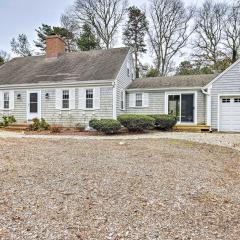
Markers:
(229, 113)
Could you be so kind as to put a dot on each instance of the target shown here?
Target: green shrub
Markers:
(164, 122)
(107, 126)
(136, 123)
(39, 125)
(7, 120)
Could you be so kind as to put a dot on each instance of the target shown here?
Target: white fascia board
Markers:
(162, 89)
(221, 74)
(58, 84)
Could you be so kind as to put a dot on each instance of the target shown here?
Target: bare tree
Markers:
(104, 16)
(210, 19)
(232, 31)
(21, 46)
(169, 31)
(4, 57)
(72, 29)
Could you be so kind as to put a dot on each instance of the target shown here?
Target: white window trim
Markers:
(65, 109)
(9, 101)
(89, 109)
(136, 100)
(195, 105)
(39, 103)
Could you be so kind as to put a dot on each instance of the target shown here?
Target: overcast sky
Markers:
(24, 16)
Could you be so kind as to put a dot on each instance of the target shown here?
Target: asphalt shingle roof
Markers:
(173, 81)
(78, 66)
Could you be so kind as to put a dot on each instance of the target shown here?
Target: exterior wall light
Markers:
(47, 95)
(19, 96)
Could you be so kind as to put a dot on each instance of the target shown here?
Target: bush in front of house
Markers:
(164, 122)
(7, 120)
(136, 123)
(39, 125)
(107, 126)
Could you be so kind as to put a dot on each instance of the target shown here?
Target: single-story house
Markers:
(70, 88)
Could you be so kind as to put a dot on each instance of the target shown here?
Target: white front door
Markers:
(33, 105)
(229, 117)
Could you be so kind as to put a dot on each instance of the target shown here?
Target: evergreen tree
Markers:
(46, 30)
(87, 41)
(134, 34)
(1, 61)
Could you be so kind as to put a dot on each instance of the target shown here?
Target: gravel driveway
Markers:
(114, 189)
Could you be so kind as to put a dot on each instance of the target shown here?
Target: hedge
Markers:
(164, 122)
(107, 126)
(136, 123)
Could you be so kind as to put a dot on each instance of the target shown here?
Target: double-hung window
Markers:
(139, 99)
(6, 100)
(65, 99)
(89, 98)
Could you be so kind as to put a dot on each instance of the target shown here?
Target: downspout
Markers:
(209, 108)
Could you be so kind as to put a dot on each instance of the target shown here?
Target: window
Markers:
(226, 100)
(65, 99)
(237, 100)
(89, 98)
(122, 100)
(139, 100)
(6, 100)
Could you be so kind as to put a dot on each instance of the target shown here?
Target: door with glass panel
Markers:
(33, 105)
(182, 106)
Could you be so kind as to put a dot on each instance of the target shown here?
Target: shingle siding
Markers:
(67, 118)
(228, 83)
(122, 81)
(157, 104)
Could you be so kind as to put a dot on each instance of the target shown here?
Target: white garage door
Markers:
(229, 114)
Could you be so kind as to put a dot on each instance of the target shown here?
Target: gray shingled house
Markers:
(69, 88)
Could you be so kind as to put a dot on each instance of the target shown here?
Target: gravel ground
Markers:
(118, 189)
(222, 139)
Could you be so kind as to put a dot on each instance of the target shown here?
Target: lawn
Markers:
(133, 189)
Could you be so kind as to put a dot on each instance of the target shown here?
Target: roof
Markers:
(77, 66)
(179, 81)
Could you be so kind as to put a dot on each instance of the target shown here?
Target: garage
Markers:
(229, 115)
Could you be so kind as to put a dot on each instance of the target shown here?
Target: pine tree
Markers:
(87, 41)
(46, 30)
(134, 34)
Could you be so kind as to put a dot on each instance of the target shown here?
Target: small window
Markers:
(122, 100)
(6, 100)
(226, 100)
(65, 99)
(237, 100)
(139, 100)
(89, 98)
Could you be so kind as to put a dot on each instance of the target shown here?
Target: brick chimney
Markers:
(55, 46)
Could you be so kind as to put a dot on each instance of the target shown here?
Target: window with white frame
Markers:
(89, 98)
(237, 100)
(122, 100)
(65, 99)
(226, 100)
(6, 100)
(139, 99)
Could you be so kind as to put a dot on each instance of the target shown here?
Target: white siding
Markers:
(228, 83)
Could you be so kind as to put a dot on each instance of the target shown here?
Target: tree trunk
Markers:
(136, 65)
